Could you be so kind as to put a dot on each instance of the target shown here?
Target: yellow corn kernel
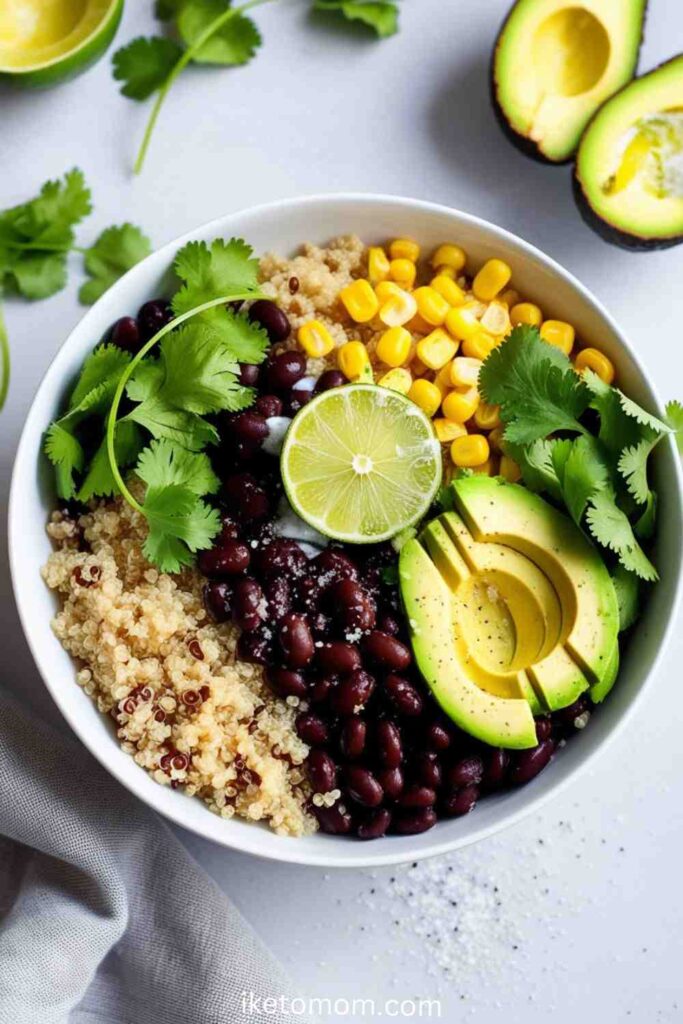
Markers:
(459, 406)
(447, 430)
(352, 359)
(462, 322)
(448, 289)
(470, 451)
(398, 309)
(432, 306)
(491, 280)
(393, 348)
(437, 349)
(465, 372)
(593, 359)
(510, 297)
(443, 379)
(378, 265)
(558, 333)
(487, 417)
(386, 289)
(509, 469)
(496, 439)
(315, 339)
(479, 346)
(404, 249)
(403, 272)
(488, 468)
(398, 379)
(449, 256)
(418, 325)
(496, 319)
(526, 313)
(360, 300)
(444, 271)
(426, 395)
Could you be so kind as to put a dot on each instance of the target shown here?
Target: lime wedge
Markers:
(360, 463)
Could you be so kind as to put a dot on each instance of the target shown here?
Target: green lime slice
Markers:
(361, 463)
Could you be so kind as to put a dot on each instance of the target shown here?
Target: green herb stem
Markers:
(130, 368)
(4, 358)
(180, 66)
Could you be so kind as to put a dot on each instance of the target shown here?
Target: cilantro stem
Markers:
(180, 66)
(4, 358)
(127, 373)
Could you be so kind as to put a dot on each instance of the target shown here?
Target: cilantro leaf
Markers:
(246, 340)
(610, 526)
(165, 10)
(235, 42)
(633, 467)
(674, 418)
(535, 386)
(99, 480)
(163, 464)
(644, 527)
(116, 250)
(66, 454)
(183, 428)
(584, 471)
(200, 372)
(381, 15)
(224, 269)
(144, 65)
(39, 275)
(537, 466)
(180, 523)
(627, 587)
(104, 366)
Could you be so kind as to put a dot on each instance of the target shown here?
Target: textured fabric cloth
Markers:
(104, 917)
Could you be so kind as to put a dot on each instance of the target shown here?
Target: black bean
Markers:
(391, 781)
(284, 370)
(247, 604)
(388, 743)
(296, 641)
(352, 693)
(321, 689)
(333, 820)
(311, 729)
(544, 727)
(256, 646)
(403, 696)
(229, 559)
(362, 786)
(353, 607)
(152, 316)
(567, 716)
(495, 768)
(269, 406)
(418, 796)
(278, 596)
(322, 771)
(427, 769)
(271, 318)
(331, 566)
(286, 682)
(280, 556)
(336, 656)
(218, 601)
(125, 334)
(353, 737)
(245, 499)
(527, 764)
(389, 624)
(330, 379)
(412, 823)
(249, 375)
(468, 771)
(248, 426)
(437, 737)
(460, 802)
(375, 824)
(386, 651)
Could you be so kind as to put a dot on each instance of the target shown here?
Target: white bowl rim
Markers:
(374, 855)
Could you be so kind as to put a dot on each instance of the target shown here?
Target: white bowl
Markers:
(282, 226)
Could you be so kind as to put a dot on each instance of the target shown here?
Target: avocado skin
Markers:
(522, 142)
(615, 236)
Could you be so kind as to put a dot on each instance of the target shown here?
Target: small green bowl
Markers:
(43, 42)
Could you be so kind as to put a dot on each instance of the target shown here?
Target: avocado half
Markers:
(555, 63)
(43, 43)
(628, 181)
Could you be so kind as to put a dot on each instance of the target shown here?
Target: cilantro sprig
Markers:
(166, 427)
(210, 32)
(602, 479)
(380, 15)
(36, 238)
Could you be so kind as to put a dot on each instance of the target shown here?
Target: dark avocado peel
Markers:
(44, 45)
(628, 180)
(553, 65)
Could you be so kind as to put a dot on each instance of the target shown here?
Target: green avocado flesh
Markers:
(629, 169)
(556, 62)
(511, 611)
(46, 41)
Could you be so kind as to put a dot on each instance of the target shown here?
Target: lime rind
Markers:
(361, 463)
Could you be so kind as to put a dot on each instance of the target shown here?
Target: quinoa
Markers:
(184, 707)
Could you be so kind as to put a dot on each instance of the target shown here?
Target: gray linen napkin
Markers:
(104, 917)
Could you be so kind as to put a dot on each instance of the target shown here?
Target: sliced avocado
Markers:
(496, 510)
(42, 43)
(629, 170)
(556, 62)
(599, 691)
(428, 602)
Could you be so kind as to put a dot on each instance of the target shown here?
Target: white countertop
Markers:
(574, 912)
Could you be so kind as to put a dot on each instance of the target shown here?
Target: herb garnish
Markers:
(169, 398)
(36, 238)
(380, 15)
(602, 480)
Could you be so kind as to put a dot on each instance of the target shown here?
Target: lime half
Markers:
(360, 463)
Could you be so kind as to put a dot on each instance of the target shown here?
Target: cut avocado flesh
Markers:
(46, 41)
(629, 169)
(556, 62)
(511, 610)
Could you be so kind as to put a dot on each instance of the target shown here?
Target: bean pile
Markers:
(331, 638)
